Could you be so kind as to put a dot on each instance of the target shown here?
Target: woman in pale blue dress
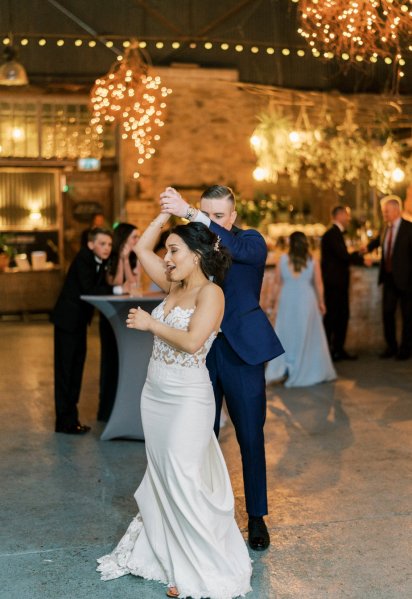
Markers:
(298, 308)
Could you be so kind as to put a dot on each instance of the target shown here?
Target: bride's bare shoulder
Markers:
(211, 291)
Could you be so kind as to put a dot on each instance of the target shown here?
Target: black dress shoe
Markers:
(343, 355)
(258, 537)
(74, 429)
(388, 353)
(403, 355)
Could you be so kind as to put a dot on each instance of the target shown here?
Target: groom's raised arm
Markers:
(249, 247)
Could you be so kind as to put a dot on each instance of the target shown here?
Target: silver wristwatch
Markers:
(191, 213)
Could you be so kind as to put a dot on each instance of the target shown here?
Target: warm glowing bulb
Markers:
(60, 42)
(398, 175)
(294, 137)
(224, 46)
(260, 173)
(42, 42)
(78, 42)
(92, 43)
(254, 49)
(256, 141)
(35, 215)
(17, 133)
(239, 48)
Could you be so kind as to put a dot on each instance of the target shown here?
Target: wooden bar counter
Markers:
(29, 291)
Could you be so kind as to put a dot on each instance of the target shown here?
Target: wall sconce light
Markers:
(35, 215)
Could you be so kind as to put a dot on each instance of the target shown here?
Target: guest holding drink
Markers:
(298, 309)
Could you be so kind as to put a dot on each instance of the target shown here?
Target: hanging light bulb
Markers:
(12, 73)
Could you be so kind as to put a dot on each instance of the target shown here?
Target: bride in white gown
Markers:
(185, 534)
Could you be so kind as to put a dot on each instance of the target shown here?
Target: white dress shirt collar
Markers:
(340, 227)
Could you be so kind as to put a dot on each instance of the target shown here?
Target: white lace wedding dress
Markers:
(185, 534)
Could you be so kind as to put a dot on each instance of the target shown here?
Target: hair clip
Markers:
(216, 246)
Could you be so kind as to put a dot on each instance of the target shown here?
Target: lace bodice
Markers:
(178, 318)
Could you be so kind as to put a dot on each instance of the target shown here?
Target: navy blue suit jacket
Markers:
(244, 324)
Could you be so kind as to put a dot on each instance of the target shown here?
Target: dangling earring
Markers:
(196, 260)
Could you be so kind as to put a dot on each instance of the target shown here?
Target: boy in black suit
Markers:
(71, 316)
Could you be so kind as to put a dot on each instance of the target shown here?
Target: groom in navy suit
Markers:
(237, 358)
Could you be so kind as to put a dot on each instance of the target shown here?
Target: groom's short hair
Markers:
(218, 192)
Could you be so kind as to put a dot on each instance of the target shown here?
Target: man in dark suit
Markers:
(395, 275)
(335, 263)
(71, 316)
(237, 358)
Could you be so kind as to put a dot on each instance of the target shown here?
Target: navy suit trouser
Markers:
(243, 387)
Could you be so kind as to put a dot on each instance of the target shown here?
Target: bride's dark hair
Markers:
(214, 259)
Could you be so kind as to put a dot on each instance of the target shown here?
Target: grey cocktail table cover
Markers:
(134, 349)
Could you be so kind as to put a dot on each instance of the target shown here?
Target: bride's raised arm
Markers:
(152, 263)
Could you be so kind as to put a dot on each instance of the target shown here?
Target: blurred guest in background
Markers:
(395, 274)
(298, 306)
(97, 221)
(123, 266)
(71, 315)
(335, 263)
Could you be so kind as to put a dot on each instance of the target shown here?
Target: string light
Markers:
(134, 99)
(358, 55)
(356, 28)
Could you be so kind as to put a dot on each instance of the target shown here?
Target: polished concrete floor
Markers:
(339, 474)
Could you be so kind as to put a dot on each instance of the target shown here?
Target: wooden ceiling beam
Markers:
(158, 16)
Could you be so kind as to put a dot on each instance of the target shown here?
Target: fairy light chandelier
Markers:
(132, 98)
(357, 30)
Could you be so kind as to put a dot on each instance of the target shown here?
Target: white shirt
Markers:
(202, 218)
(340, 227)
